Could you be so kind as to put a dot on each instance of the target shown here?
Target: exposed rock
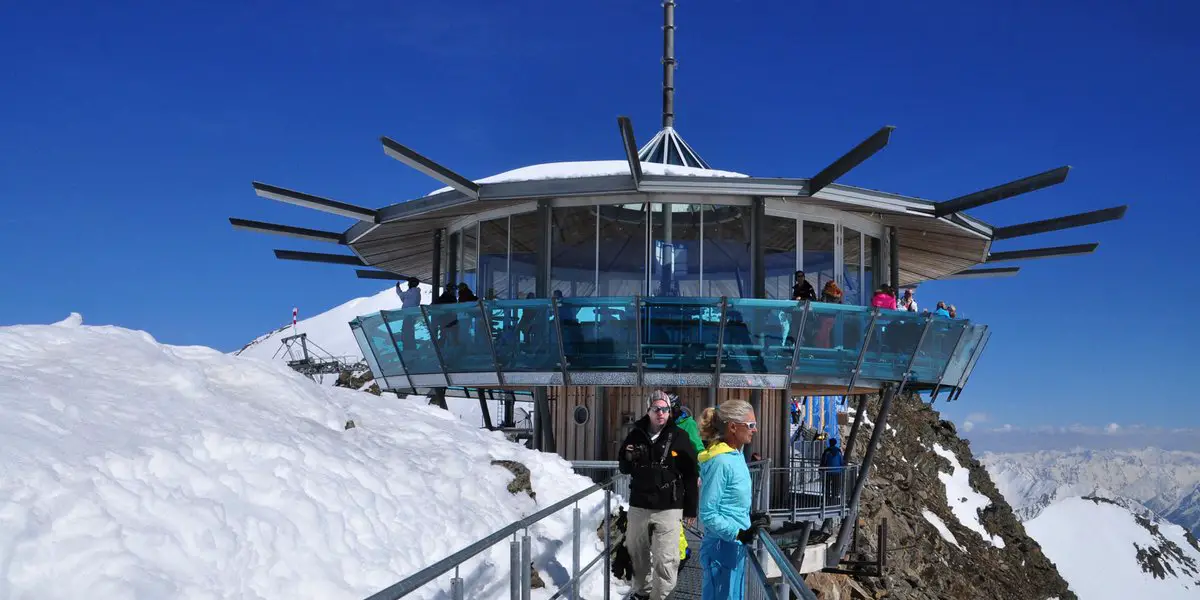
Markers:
(535, 578)
(920, 564)
(520, 482)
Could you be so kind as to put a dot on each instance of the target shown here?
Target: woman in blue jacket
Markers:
(725, 499)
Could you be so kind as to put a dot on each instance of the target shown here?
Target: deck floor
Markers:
(687, 586)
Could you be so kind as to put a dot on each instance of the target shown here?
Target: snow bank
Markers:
(1093, 545)
(592, 168)
(941, 528)
(132, 469)
(964, 501)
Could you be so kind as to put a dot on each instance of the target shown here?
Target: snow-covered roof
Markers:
(592, 168)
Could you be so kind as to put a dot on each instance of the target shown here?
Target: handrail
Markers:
(424, 576)
(756, 568)
(791, 577)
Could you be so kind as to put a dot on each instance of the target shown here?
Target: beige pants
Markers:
(655, 557)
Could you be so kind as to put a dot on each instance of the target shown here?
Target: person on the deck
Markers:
(409, 298)
(803, 290)
(883, 298)
(833, 465)
(662, 492)
(725, 500)
(908, 302)
(941, 309)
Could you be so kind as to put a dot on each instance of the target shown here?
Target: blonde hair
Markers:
(714, 420)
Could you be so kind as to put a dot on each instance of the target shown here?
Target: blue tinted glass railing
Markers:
(974, 361)
(893, 342)
(377, 336)
(760, 335)
(365, 346)
(936, 349)
(411, 332)
(971, 339)
(831, 341)
(462, 337)
(525, 336)
(680, 335)
(598, 334)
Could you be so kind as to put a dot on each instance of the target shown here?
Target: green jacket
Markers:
(688, 424)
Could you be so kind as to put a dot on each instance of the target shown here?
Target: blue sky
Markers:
(131, 131)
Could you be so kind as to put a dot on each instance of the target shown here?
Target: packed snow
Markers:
(941, 528)
(592, 168)
(964, 501)
(132, 469)
(1093, 545)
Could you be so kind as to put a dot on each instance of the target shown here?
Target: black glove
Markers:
(758, 521)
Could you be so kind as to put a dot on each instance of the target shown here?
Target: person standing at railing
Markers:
(410, 298)
(661, 462)
(725, 491)
(832, 464)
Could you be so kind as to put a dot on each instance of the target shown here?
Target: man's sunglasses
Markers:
(660, 409)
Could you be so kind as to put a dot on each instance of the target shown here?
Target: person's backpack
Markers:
(658, 476)
(832, 458)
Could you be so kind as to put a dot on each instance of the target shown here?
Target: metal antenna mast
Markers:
(668, 119)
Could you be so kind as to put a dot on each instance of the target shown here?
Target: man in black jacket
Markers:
(661, 461)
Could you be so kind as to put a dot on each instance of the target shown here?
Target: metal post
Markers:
(668, 118)
(859, 413)
(607, 542)
(805, 532)
(864, 470)
(456, 586)
(514, 569)
(436, 284)
(862, 353)
(575, 525)
(765, 504)
(526, 566)
(720, 352)
(894, 255)
(542, 273)
(452, 258)
(758, 265)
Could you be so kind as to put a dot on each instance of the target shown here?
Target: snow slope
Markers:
(964, 501)
(592, 168)
(1105, 552)
(132, 469)
(331, 329)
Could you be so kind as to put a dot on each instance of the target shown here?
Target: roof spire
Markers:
(668, 118)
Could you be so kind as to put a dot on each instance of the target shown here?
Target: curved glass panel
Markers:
(830, 343)
(622, 250)
(387, 359)
(779, 255)
(463, 341)
(365, 347)
(599, 335)
(680, 335)
(966, 349)
(675, 250)
(493, 259)
(525, 337)
(936, 349)
(759, 335)
(893, 342)
(726, 251)
(411, 333)
(573, 250)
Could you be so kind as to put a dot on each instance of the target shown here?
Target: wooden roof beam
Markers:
(318, 257)
(415, 160)
(1075, 250)
(1060, 223)
(851, 159)
(314, 202)
(980, 273)
(296, 232)
(631, 150)
(1000, 192)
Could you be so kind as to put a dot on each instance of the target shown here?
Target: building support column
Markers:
(758, 266)
(834, 556)
(436, 282)
(452, 258)
(859, 413)
(543, 426)
(894, 259)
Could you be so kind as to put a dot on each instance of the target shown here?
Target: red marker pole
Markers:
(295, 312)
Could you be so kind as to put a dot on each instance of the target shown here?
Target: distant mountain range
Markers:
(1149, 481)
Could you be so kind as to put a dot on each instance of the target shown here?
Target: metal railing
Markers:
(810, 492)
(757, 584)
(521, 553)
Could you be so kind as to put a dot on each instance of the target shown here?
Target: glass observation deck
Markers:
(672, 342)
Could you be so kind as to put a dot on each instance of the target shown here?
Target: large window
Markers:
(852, 261)
(622, 250)
(573, 251)
(779, 255)
(727, 252)
(818, 239)
(493, 259)
(675, 260)
(523, 236)
(468, 257)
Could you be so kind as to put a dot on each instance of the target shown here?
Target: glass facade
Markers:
(818, 257)
(779, 255)
(573, 251)
(494, 281)
(852, 261)
(622, 250)
(665, 341)
(726, 251)
(523, 241)
(675, 254)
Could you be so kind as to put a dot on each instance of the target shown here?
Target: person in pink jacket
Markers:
(883, 298)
